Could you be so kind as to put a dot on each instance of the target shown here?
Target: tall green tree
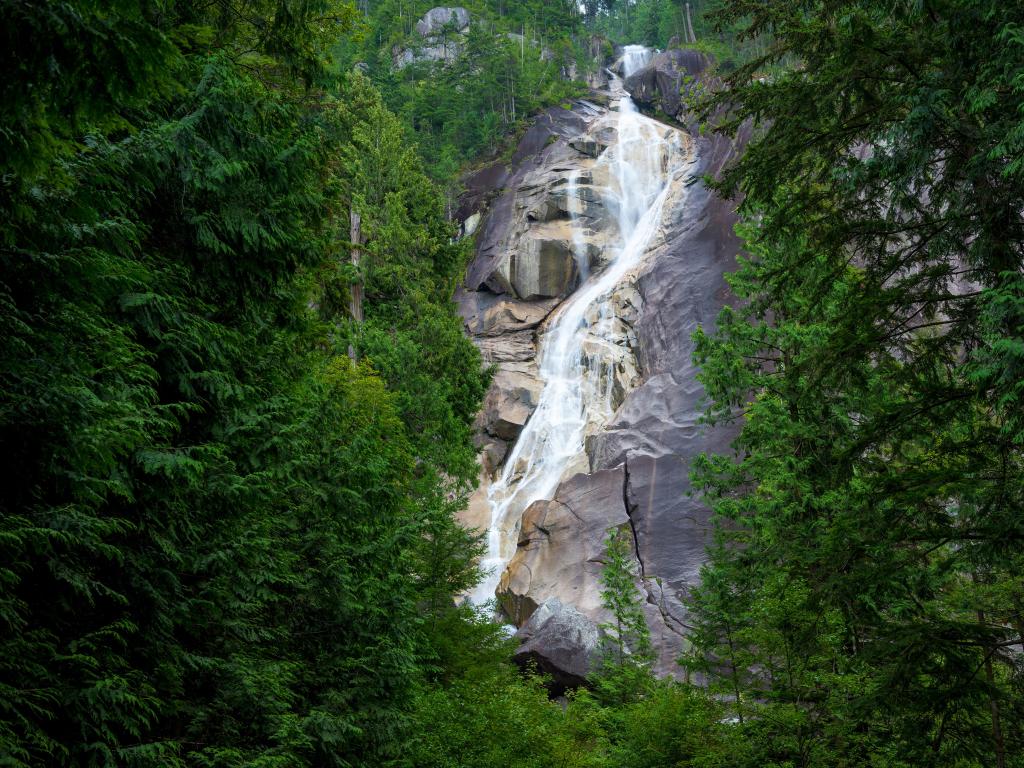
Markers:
(623, 672)
(220, 541)
(865, 600)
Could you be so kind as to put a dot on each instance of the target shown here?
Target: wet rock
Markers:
(682, 287)
(548, 209)
(511, 400)
(660, 84)
(492, 454)
(657, 429)
(611, 368)
(590, 147)
(562, 642)
(609, 350)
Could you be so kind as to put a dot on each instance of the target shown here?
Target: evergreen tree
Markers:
(221, 542)
(863, 606)
(626, 654)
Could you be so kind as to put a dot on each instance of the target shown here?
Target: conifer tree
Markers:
(624, 670)
(219, 540)
(869, 517)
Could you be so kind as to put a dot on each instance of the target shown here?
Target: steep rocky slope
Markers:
(633, 473)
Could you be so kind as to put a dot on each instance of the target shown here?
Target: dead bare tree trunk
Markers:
(355, 304)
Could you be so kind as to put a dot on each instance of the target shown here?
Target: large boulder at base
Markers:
(436, 19)
(562, 642)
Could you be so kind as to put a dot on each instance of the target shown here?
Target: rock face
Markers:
(541, 268)
(659, 85)
(634, 475)
(529, 200)
(436, 19)
(511, 400)
(525, 264)
(440, 31)
(561, 546)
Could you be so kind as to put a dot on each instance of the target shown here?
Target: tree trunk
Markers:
(689, 25)
(355, 305)
(998, 745)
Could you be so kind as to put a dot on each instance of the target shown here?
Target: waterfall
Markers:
(576, 353)
(634, 57)
(574, 206)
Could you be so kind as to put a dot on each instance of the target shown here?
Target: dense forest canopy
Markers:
(227, 532)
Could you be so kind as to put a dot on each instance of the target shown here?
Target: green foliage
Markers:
(488, 714)
(623, 671)
(865, 592)
(495, 718)
(671, 725)
(642, 22)
(511, 62)
(221, 542)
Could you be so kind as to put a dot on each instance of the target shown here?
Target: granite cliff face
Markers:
(441, 37)
(550, 229)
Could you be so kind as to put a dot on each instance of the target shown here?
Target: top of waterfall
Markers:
(634, 58)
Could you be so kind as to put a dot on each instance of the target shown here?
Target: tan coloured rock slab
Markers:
(511, 400)
(477, 514)
(561, 547)
(508, 348)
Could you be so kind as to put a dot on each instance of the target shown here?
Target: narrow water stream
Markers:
(574, 350)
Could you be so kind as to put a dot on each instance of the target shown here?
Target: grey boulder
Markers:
(562, 642)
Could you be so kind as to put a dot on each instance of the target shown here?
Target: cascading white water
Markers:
(634, 57)
(575, 351)
(574, 205)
